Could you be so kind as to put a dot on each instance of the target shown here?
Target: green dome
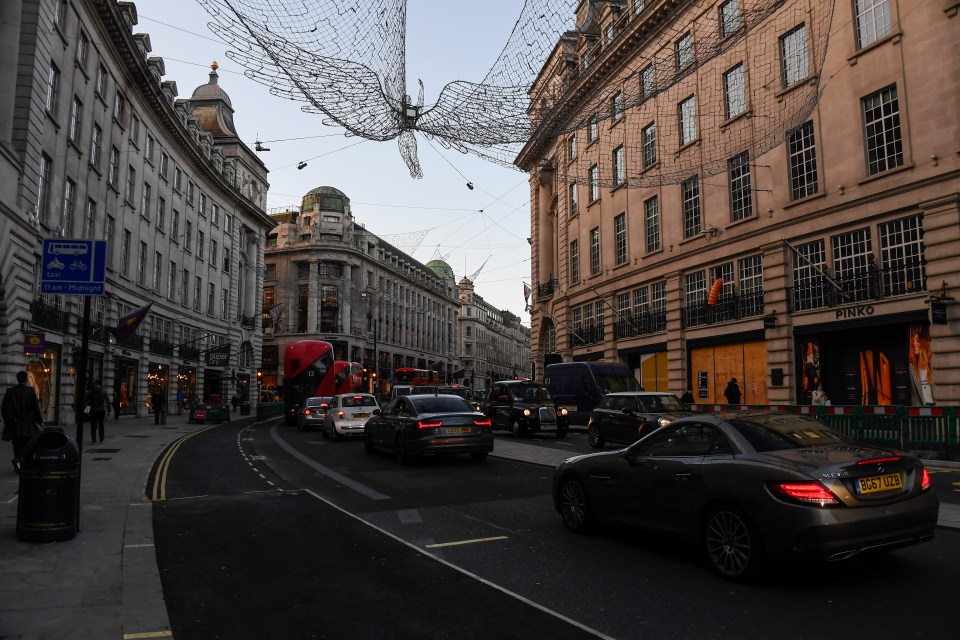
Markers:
(441, 268)
(329, 199)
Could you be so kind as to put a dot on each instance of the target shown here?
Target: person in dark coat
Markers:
(235, 401)
(687, 397)
(98, 402)
(159, 403)
(22, 416)
(732, 392)
(117, 400)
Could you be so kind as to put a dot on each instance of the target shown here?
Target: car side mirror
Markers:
(375, 412)
(628, 411)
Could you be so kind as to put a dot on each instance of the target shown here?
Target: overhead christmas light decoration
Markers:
(345, 60)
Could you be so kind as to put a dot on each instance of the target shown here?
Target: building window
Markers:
(175, 227)
(592, 129)
(873, 21)
(620, 238)
(164, 164)
(90, 219)
(43, 188)
(572, 148)
(213, 252)
(646, 82)
(751, 285)
(585, 61)
(226, 259)
(651, 217)
(203, 204)
(269, 271)
(808, 268)
(684, 51)
(594, 183)
(734, 91)
(572, 192)
(142, 264)
(215, 214)
(794, 64)
(729, 17)
(172, 281)
(695, 288)
(125, 253)
(224, 303)
(100, 87)
(59, 9)
(303, 270)
(881, 119)
(69, 202)
(595, 251)
(211, 297)
(185, 288)
(157, 270)
(197, 292)
(108, 233)
(901, 255)
(151, 148)
(177, 178)
(119, 104)
(113, 170)
(76, 114)
(53, 90)
(803, 161)
(191, 190)
(96, 140)
(201, 243)
(691, 207)
(852, 258)
(131, 184)
(741, 194)
(161, 214)
(649, 145)
(574, 261)
(146, 201)
(83, 45)
(188, 236)
(616, 105)
(619, 170)
(688, 121)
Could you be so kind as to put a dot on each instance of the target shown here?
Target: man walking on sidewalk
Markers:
(22, 416)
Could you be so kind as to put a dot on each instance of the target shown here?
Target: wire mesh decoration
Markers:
(345, 60)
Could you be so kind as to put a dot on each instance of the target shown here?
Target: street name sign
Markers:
(73, 267)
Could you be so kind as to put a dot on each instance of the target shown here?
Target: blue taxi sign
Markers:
(73, 267)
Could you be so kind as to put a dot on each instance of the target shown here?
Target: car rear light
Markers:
(809, 493)
(483, 423)
(307, 412)
(879, 460)
(340, 414)
(925, 482)
(428, 425)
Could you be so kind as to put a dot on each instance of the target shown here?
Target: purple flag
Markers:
(129, 323)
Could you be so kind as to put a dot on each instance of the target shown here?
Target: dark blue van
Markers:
(579, 386)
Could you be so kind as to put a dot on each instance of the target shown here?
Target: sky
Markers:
(482, 229)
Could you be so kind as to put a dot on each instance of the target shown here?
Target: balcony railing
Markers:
(729, 307)
(189, 353)
(134, 342)
(546, 289)
(630, 326)
(248, 322)
(871, 283)
(588, 334)
(161, 347)
(49, 317)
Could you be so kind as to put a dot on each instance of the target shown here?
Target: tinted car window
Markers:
(609, 402)
(679, 440)
(390, 407)
(773, 433)
(441, 404)
(358, 401)
(529, 392)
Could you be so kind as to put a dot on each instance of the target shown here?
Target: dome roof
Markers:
(327, 199)
(326, 191)
(212, 108)
(441, 268)
(211, 90)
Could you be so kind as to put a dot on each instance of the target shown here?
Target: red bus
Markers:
(308, 370)
(347, 377)
(419, 377)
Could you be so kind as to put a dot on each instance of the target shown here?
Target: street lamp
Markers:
(376, 331)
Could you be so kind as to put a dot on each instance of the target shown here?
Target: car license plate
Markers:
(361, 415)
(449, 430)
(875, 484)
(548, 426)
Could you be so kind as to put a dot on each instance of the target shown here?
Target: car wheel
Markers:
(323, 431)
(518, 431)
(732, 543)
(575, 506)
(594, 439)
(334, 434)
(400, 451)
(561, 433)
(478, 456)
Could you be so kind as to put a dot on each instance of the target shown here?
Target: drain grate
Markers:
(99, 450)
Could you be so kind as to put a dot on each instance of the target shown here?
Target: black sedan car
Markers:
(627, 416)
(754, 486)
(525, 407)
(419, 425)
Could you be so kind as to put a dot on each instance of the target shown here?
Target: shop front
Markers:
(649, 365)
(715, 362)
(125, 382)
(214, 390)
(43, 374)
(158, 379)
(243, 386)
(886, 360)
(187, 384)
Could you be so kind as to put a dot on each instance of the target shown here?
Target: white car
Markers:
(347, 414)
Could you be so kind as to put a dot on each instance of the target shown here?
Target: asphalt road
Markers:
(269, 532)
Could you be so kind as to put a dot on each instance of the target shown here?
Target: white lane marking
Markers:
(461, 542)
(469, 574)
(330, 473)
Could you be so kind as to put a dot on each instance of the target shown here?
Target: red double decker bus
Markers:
(308, 370)
(348, 377)
(418, 377)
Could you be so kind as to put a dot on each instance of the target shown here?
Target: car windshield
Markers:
(440, 404)
(463, 392)
(316, 401)
(665, 402)
(777, 432)
(529, 392)
(613, 384)
(358, 401)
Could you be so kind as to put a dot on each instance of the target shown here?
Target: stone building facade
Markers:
(754, 189)
(97, 146)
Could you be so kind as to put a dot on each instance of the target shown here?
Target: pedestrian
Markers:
(158, 400)
(732, 392)
(22, 417)
(117, 401)
(687, 397)
(235, 401)
(179, 401)
(97, 403)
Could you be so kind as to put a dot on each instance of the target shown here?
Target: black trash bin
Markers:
(244, 408)
(49, 501)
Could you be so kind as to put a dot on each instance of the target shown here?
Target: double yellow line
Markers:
(159, 491)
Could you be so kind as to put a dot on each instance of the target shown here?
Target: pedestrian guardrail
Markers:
(926, 429)
(269, 410)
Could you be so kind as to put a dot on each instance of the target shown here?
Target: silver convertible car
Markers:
(750, 487)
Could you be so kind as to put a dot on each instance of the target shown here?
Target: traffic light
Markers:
(366, 376)
(259, 377)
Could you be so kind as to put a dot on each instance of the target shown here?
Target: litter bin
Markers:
(49, 501)
(244, 408)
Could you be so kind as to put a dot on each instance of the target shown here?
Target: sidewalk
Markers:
(104, 583)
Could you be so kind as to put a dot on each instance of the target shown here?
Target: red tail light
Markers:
(925, 482)
(340, 415)
(809, 493)
(483, 423)
(879, 460)
(307, 412)
(428, 425)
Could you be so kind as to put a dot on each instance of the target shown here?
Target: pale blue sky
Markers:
(445, 41)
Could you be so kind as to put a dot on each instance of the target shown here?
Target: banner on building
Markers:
(220, 356)
(34, 342)
(128, 324)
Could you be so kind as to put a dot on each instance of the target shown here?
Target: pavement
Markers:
(104, 583)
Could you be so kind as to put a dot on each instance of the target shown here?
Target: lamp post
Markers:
(376, 331)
